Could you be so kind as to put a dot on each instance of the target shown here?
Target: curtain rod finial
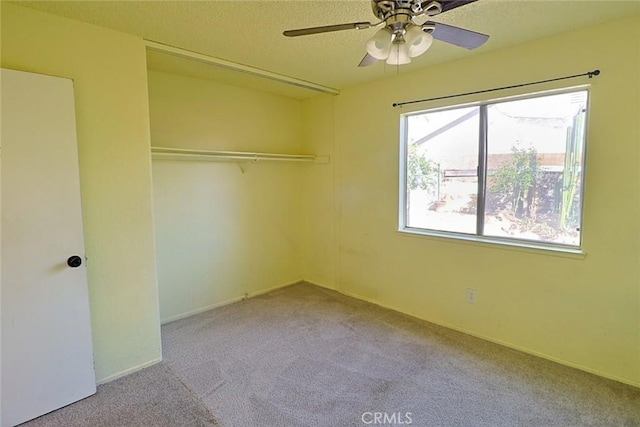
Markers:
(594, 73)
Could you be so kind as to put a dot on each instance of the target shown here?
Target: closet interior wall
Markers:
(224, 230)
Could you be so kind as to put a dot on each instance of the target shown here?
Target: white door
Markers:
(47, 353)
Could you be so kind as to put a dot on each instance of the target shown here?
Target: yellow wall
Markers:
(584, 312)
(222, 233)
(321, 206)
(109, 73)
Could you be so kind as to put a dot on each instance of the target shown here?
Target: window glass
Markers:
(442, 165)
(534, 168)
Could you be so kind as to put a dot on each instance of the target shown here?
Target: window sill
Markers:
(496, 243)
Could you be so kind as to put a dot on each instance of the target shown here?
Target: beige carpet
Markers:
(306, 356)
(153, 397)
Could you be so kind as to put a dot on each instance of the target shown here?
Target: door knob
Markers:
(74, 261)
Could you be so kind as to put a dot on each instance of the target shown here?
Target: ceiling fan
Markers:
(401, 39)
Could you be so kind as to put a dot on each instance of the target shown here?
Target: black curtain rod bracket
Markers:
(589, 74)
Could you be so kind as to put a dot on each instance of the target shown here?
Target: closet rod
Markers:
(178, 153)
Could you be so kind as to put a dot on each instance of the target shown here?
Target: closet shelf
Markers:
(187, 154)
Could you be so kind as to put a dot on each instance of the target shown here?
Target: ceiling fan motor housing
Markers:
(398, 14)
(385, 8)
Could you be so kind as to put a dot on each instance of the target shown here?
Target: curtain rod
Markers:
(590, 74)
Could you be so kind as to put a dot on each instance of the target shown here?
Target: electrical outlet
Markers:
(471, 296)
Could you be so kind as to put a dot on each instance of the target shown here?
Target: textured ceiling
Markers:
(250, 32)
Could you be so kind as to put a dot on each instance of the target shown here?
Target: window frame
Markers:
(482, 177)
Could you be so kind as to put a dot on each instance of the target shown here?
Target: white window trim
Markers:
(506, 243)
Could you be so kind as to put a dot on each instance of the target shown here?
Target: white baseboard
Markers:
(128, 371)
(446, 325)
(200, 310)
(498, 341)
(321, 285)
(191, 313)
(225, 302)
(273, 288)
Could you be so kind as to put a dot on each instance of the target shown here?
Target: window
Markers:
(509, 171)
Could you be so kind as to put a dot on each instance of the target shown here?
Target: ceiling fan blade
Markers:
(452, 4)
(327, 29)
(367, 60)
(458, 36)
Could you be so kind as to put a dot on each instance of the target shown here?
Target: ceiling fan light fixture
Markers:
(379, 46)
(399, 54)
(417, 40)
